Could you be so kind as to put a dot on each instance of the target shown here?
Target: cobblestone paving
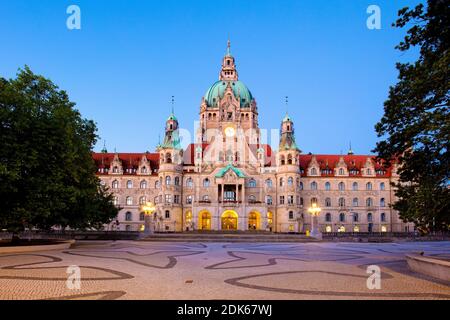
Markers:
(148, 270)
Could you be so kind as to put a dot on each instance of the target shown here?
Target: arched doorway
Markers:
(204, 220)
(188, 221)
(254, 220)
(229, 220)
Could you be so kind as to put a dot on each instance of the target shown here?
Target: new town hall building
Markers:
(229, 180)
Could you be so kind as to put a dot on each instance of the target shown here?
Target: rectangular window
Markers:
(281, 199)
(290, 199)
(189, 200)
(168, 198)
(176, 199)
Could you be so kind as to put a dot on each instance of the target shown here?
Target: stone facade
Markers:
(229, 180)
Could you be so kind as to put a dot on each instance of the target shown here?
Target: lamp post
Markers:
(148, 210)
(314, 210)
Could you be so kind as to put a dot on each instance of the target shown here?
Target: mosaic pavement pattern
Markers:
(148, 270)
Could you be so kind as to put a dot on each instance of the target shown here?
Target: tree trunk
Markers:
(15, 239)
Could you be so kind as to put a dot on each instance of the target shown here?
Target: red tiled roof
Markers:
(129, 160)
(352, 161)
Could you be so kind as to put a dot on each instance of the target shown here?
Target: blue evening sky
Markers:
(131, 56)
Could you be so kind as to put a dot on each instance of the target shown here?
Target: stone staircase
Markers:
(236, 236)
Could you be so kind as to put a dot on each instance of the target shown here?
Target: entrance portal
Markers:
(254, 219)
(205, 220)
(229, 220)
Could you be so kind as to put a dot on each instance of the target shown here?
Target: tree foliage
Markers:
(47, 174)
(416, 121)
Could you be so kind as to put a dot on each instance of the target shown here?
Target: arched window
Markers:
(291, 215)
(341, 186)
(327, 202)
(269, 183)
(383, 217)
(327, 186)
(189, 183)
(341, 172)
(313, 185)
(206, 183)
(144, 170)
(116, 201)
(369, 202)
(328, 217)
(205, 198)
(252, 183)
(177, 181)
(369, 172)
(355, 217)
(269, 200)
(290, 181)
(168, 180)
(313, 171)
(289, 161)
(341, 202)
(142, 216)
(355, 186)
(129, 201)
(314, 201)
(251, 198)
(382, 202)
(355, 202)
(167, 214)
(369, 217)
(115, 184)
(128, 216)
(142, 200)
(168, 158)
(282, 160)
(115, 170)
(281, 182)
(143, 184)
(382, 186)
(157, 185)
(301, 185)
(129, 184)
(369, 186)
(342, 217)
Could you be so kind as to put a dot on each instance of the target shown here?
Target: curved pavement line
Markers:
(20, 267)
(105, 295)
(172, 258)
(270, 261)
(236, 282)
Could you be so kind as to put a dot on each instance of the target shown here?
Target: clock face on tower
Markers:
(230, 132)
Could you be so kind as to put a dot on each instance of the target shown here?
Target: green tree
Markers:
(47, 174)
(416, 122)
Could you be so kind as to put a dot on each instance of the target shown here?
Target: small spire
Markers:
(173, 103)
(228, 47)
(104, 150)
(287, 104)
(350, 151)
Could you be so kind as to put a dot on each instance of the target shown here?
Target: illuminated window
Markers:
(129, 201)
(328, 229)
(115, 184)
(129, 184)
(383, 229)
(341, 229)
(143, 185)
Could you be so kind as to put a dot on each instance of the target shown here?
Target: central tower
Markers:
(228, 114)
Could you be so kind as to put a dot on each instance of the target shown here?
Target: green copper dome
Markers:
(216, 92)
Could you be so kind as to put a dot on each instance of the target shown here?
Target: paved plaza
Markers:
(152, 270)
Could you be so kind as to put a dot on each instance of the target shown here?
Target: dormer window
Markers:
(115, 170)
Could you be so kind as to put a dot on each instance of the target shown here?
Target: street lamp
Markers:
(314, 210)
(148, 210)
